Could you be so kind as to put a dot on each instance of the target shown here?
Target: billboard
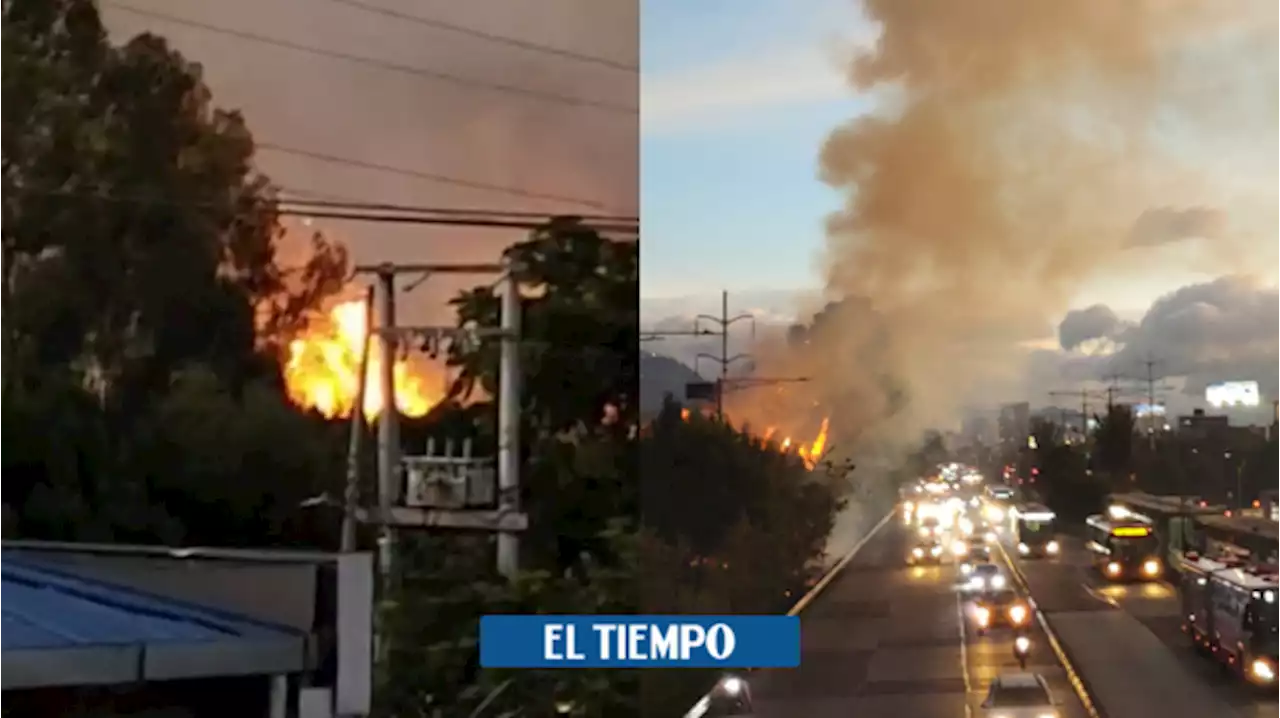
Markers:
(1232, 393)
(1145, 410)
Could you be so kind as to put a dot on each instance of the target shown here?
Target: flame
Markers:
(323, 369)
(684, 414)
(812, 453)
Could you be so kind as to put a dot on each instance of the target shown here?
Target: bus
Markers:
(1124, 548)
(1229, 610)
(1035, 531)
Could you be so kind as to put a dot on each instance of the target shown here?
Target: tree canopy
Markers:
(145, 297)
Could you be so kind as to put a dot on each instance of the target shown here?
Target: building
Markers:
(94, 630)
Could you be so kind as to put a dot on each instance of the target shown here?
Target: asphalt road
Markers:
(885, 639)
(1126, 642)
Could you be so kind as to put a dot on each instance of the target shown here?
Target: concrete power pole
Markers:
(388, 420)
(509, 405)
(351, 495)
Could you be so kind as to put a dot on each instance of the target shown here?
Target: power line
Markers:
(428, 176)
(374, 62)
(499, 39)
(457, 217)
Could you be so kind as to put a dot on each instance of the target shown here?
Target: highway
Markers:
(1125, 641)
(885, 639)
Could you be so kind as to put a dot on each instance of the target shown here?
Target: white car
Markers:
(1019, 695)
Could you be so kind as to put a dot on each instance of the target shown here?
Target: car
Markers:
(984, 577)
(1001, 608)
(926, 552)
(1019, 695)
(975, 553)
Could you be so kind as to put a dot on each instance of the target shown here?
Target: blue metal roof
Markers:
(44, 608)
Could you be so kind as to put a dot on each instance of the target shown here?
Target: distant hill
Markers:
(659, 376)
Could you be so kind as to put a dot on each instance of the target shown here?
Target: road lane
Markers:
(1139, 656)
(888, 639)
(1158, 608)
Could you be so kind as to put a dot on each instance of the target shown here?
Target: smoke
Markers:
(1167, 225)
(1025, 141)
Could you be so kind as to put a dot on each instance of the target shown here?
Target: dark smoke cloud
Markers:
(1082, 325)
(1224, 330)
(1167, 225)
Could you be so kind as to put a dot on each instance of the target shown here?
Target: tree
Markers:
(580, 362)
(137, 238)
(731, 525)
(1113, 440)
(145, 298)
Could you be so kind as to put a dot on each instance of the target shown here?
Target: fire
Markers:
(812, 453)
(323, 369)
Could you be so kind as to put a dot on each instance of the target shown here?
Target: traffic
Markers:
(1047, 618)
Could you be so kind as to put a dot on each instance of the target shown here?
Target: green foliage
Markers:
(137, 239)
(144, 299)
(731, 526)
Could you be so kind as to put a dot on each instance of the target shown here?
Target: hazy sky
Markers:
(375, 115)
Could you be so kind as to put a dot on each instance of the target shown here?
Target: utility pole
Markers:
(1151, 402)
(1084, 395)
(388, 420)
(724, 360)
(392, 512)
(351, 495)
(509, 421)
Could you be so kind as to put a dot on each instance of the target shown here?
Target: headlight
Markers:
(959, 548)
(1023, 549)
(936, 550)
(1051, 547)
(732, 685)
(983, 615)
(1022, 644)
(1151, 568)
(966, 568)
(997, 581)
(991, 537)
(1018, 614)
(1263, 671)
(1113, 568)
(917, 552)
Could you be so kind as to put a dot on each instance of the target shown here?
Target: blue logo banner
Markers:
(639, 641)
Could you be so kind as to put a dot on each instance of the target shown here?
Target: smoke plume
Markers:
(1019, 143)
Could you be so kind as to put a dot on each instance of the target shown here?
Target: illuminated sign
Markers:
(1130, 531)
(1232, 393)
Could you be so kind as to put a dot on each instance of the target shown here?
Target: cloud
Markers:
(1223, 330)
(1166, 225)
(682, 101)
(1081, 325)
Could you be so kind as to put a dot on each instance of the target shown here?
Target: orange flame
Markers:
(812, 453)
(323, 369)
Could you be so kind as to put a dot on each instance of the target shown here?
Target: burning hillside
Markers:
(322, 371)
(810, 453)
